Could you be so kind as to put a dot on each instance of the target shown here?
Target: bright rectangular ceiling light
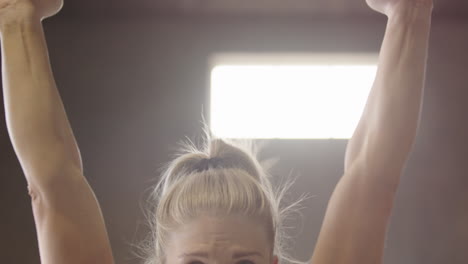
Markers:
(315, 96)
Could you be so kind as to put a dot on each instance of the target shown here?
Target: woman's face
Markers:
(215, 240)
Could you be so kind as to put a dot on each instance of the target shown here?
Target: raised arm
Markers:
(69, 224)
(358, 212)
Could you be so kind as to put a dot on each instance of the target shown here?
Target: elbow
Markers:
(377, 171)
(33, 193)
(46, 180)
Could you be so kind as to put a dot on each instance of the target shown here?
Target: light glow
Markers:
(313, 98)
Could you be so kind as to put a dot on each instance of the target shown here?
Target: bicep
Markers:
(356, 220)
(69, 222)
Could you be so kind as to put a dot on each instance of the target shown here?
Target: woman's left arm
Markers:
(359, 209)
(388, 125)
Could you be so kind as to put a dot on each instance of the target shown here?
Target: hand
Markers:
(17, 10)
(390, 7)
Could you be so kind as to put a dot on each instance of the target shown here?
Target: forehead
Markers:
(219, 234)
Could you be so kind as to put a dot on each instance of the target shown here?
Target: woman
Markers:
(215, 205)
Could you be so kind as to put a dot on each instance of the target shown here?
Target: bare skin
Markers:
(356, 220)
(358, 212)
(69, 223)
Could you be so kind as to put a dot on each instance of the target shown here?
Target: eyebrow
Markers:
(235, 255)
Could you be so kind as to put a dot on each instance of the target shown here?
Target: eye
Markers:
(195, 262)
(245, 261)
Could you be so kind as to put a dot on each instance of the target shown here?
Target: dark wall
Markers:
(133, 88)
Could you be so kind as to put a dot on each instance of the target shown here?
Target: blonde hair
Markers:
(233, 182)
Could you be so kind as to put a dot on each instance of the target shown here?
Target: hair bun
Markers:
(234, 156)
(216, 153)
(206, 164)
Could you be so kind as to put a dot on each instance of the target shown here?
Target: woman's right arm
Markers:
(70, 227)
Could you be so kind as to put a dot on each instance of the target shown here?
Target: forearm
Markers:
(392, 114)
(36, 120)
